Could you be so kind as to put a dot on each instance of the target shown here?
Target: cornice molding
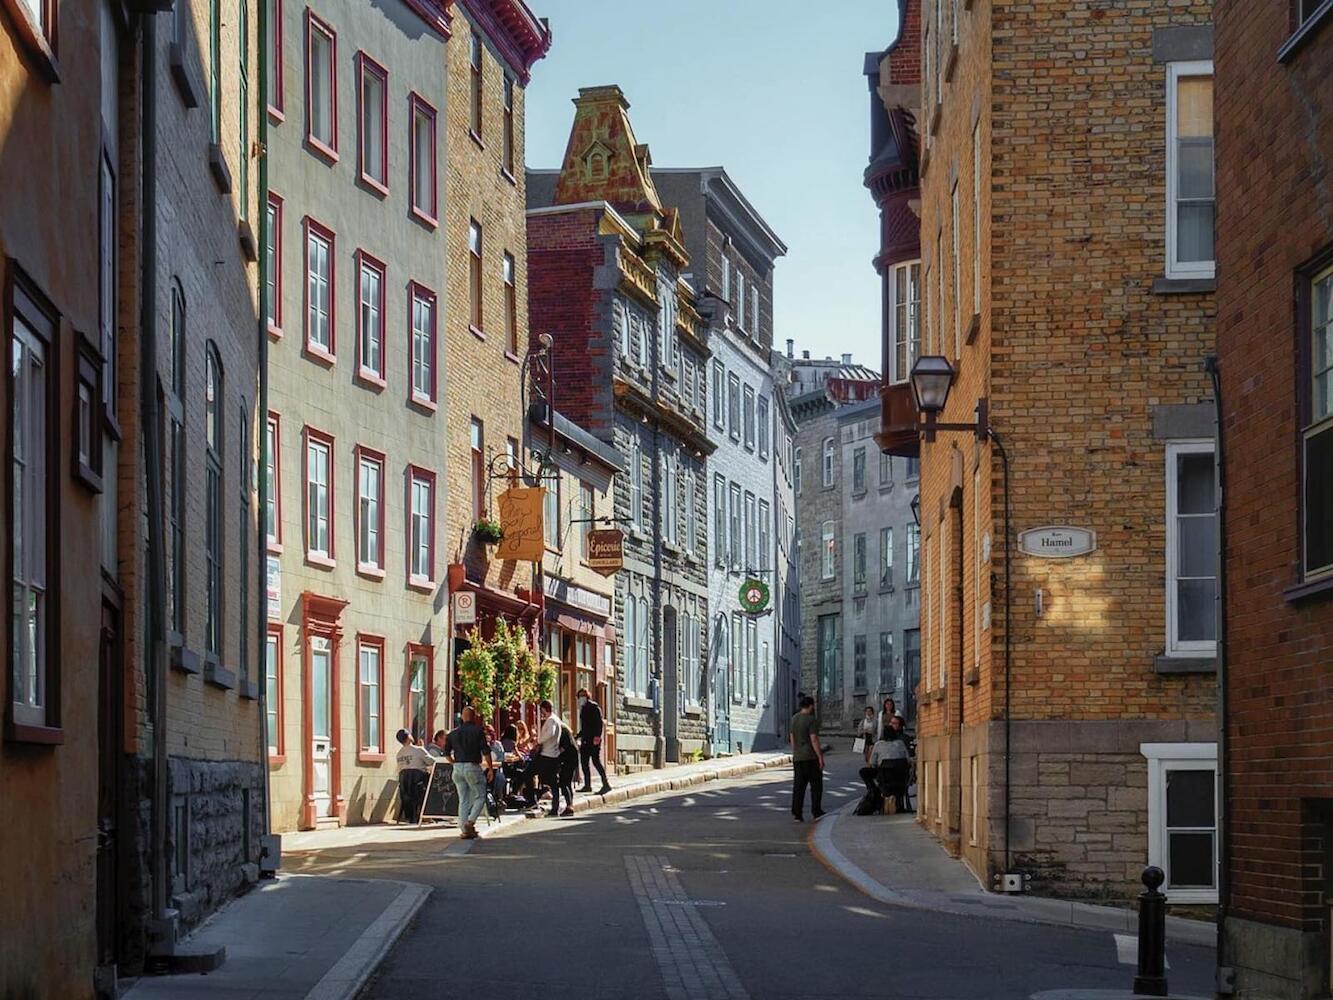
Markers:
(512, 27)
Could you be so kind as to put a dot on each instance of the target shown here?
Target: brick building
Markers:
(356, 642)
(630, 353)
(493, 46)
(1067, 726)
(1274, 343)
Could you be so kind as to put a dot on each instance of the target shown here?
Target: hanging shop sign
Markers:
(1057, 541)
(753, 596)
(521, 520)
(606, 551)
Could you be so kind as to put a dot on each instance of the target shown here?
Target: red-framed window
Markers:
(277, 102)
(422, 321)
(372, 123)
(420, 527)
(273, 473)
(369, 513)
(474, 87)
(474, 248)
(273, 265)
(509, 277)
(273, 680)
(320, 498)
(420, 683)
(421, 166)
(369, 698)
(320, 303)
(321, 86)
(371, 289)
(477, 432)
(507, 150)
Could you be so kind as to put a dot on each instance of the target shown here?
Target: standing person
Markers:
(546, 754)
(468, 748)
(807, 761)
(413, 766)
(869, 731)
(591, 727)
(889, 710)
(566, 765)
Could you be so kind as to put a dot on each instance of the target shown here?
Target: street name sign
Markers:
(1057, 541)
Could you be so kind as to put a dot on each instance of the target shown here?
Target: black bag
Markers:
(493, 806)
(870, 804)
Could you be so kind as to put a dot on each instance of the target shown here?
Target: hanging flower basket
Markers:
(487, 532)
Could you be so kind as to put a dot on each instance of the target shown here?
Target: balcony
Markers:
(897, 433)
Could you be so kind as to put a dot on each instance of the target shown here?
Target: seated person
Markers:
(436, 746)
(499, 781)
(413, 766)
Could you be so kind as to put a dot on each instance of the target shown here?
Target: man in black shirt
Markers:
(467, 748)
(591, 728)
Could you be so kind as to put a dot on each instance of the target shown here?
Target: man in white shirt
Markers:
(413, 766)
(547, 756)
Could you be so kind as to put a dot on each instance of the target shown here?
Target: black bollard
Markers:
(1151, 979)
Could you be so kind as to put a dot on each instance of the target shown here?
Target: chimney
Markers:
(846, 359)
(790, 344)
(805, 355)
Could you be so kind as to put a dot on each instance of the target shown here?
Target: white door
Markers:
(321, 673)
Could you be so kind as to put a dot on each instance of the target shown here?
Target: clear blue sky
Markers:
(770, 89)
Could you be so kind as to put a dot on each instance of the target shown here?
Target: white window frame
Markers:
(421, 530)
(368, 520)
(1164, 757)
(636, 485)
(720, 520)
(368, 680)
(319, 505)
(762, 421)
(32, 389)
(828, 550)
(765, 535)
(719, 396)
(901, 333)
(942, 609)
(1187, 269)
(1174, 647)
(826, 462)
(796, 472)
(740, 300)
(956, 250)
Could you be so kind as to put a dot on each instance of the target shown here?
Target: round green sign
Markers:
(753, 596)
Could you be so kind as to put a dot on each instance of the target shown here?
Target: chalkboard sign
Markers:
(441, 798)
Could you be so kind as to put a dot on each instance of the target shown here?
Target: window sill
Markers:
(935, 117)
(950, 61)
(217, 675)
(477, 333)
(319, 561)
(277, 759)
(859, 494)
(19, 732)
(182, 76)
(370, 572)
(1184, 286)
(370, 380)
(32, 41)
(322, 151)
(370, 757)
(1305, 32)
(472, 134)
(274, 332)
(425, 218)
(274, 548)
(973, 328)
(886, 588)
(249, 690)
(246, 235)
(315, 353)
(277, 116)
(183, 659)
(217, 166)
(634, 701)
(1163, 664)
(420, 585)
(421, 403)
(372, 185)
(1313, 590)
(973, 676)
(508, 175)
(511, 356)
(693, 711)
(88, 477)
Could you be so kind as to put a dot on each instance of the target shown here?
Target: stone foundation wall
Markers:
(1275, 963)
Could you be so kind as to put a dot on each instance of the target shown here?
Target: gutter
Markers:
(1211, 366)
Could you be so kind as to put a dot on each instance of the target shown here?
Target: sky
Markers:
(766, 89)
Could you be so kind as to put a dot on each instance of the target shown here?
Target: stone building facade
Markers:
(732, 256)
(607, 258)
(787, 570)
(356, 645)
(1067, 722)
(1274, 334)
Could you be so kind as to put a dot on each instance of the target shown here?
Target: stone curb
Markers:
(350, 973)
(1031, 909)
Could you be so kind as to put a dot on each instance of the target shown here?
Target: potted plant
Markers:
(487, 532)
(476, 675)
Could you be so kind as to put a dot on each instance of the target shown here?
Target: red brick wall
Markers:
(1275, 212)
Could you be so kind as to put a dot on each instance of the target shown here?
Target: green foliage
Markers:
(488, 531)
(476, 675)
(545, 682)
(527, 673)
(507, 649)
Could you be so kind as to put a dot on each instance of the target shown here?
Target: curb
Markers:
(1030, 909)
(350, 973)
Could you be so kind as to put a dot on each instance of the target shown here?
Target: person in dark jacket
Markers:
(591, 728)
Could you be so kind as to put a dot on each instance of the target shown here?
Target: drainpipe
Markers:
(261, 536)
(1008, 645)
(659, 713)
(1210, 365)
(148, 420)
(956, 756)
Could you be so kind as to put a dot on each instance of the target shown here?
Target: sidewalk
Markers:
(893, 860)
(294, 937)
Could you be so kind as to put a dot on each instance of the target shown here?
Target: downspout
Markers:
(261, 536)
(1008, 645)
(1210, 365)
(148, 418)
(659, 716)
(956, 756)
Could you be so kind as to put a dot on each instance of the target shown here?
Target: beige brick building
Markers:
(1067, 704)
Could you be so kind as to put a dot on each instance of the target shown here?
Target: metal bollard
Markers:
(1151, 978)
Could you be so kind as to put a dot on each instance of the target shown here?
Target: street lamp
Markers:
(932, 378)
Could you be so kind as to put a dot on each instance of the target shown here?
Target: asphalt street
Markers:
(712, 893)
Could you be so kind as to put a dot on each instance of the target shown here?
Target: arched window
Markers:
(827, 461)
(213, 529)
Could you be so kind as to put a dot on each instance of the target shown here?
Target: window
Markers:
(859, 470)
(754, 308)
(108, 262)
(736, 666)
(372, 122)
(319, 302)
(913, 554)
(474, 273)
(1182, 818)
(636, 485)
(1191, 545)
(734, 406)
(859, 663)
(763, 427)
(765, 535)
(1189, 170)
(370, 318)
(829, 676)
(474, 86)
(751, 528)
(913, 469)
(976, 819)
(511, 303)
(587, 512)
(941, 622)
(551, 511)
(245, 474)
(886, 557)
(477, 442)
(859, 559)
(214, 533)
(273, 265)
(751, 659)
(511, 456)
(321, 86)
(979, 576)
(719, 520)
(33, 492)
(630, 638)
(737, 536)
(273, 476)
(273, 690)
(726, 277)
(370, 660)
(719, 396)
(422, 150)
(421, 536)
(645, 621)
(1316, 398)
(828, 550)
(423, 344)
(176, 479)
(420, 662)
(827, 462)
(243, 108)
(318, 497)
(796, 472)
(369, 511)
(930, 319)
(956, 251)
(886, 685)
(749, 418)
(976, 218)
(507, 144)
(691, 526)
(740, 300)
(690, 629)
(274, 59)
(215, 71)
(885, 469)
(911, 663)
